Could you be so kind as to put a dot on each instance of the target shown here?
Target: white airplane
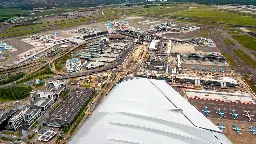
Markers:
(248, 115)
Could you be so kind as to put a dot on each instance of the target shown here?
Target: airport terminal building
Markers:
(147, 111)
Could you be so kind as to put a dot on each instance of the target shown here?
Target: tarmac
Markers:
(245, 138)
(226, 108)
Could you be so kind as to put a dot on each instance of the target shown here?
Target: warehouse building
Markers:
(147, 111)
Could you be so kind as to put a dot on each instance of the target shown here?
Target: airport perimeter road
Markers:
(241, 67)
(237, 44)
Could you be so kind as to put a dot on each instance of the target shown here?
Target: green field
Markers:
(12, 12)
(250, 82)
(229, 59)
(246, 41)
(234, 31)
(254, 53)
(245, 58)
(228, 42)
(207, 15)
(53, 11)
(201, 14)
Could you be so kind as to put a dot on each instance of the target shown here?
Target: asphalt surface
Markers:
(238, 45)
(226, 108)
(241, 67)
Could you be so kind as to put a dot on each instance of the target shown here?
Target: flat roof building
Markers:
(30, 115)
(147, 111)
(207, 80)
(223, 96)
(92, 65)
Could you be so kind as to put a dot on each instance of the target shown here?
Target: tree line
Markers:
(12, 78)
(15, 92)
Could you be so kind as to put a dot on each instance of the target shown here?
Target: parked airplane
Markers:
(195, 68)
(221, 70)
(236, 129)
(220, 113)
(234, 114)
(248, 115)
(221, 127)
(252, 130)
(213, 70)
(206, 111)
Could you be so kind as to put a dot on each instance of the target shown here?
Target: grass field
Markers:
(207, 15)
(245, 58)
(61, 24)
(250, 83)
(229, 59)
(54, 11)
(228, 42)
(202, 14)
(246, 41)
(12, 12)
(234, 31)
(254, 53)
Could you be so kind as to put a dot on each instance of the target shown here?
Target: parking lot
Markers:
(69, 108)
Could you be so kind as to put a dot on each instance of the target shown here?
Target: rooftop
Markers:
(236, 96)
(147, 111)
(73, 60)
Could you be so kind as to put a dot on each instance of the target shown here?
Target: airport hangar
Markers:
(147, 111)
